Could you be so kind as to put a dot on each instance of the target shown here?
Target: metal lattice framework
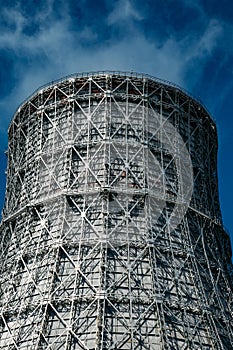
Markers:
(88, 258)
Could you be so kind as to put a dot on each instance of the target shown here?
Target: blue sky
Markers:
(188, 42)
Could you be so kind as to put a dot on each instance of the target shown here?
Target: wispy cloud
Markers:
(123, 11)
(209, 38)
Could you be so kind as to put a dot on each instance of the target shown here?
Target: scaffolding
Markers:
(92, 256)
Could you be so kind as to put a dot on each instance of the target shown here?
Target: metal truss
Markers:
(89, 260)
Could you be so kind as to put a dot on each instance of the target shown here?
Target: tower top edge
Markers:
(116, 74)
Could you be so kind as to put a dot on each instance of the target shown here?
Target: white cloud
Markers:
(123, 10)
(209, 39)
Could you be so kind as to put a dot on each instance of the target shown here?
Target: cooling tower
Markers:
(112, 236)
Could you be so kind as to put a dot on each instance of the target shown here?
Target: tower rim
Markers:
(121, 74)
